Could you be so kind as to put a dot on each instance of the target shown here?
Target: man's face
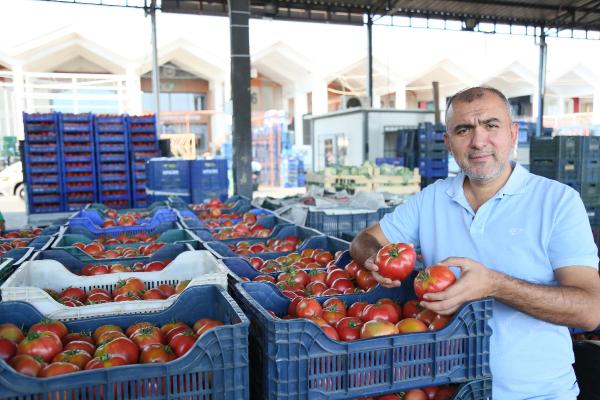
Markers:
(481, 136)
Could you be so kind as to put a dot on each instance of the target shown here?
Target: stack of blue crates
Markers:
(293, 172)
(143, 145)
(43, 163)
(79, 178)
(168, 177)
(112, 160)
(572, 160)
(432, 153)
(209, 179)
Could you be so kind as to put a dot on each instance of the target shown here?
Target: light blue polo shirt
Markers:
(531, 227)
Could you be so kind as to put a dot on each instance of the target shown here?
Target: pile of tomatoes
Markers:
(96, 250)
(363, 320)
(322, 282)
(444, 392)
(22, 234)
(285, 245)
(49, 349)
(212, 203)
(307, 259)
(239, 230)
(102, 269)
(127, 239)
(126, 290)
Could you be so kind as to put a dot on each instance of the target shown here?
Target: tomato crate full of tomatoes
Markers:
(127, 360)
(302, 359)
(123, 224)
(82, 230)
(281, 238)
(100, 289)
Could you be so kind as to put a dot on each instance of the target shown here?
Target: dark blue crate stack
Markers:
(167, 177)
(112, 161)
(43, 163)
(294, 173)
(209, 179)
(432, 153)
(143, 145)
(573, 160)
(79, 177)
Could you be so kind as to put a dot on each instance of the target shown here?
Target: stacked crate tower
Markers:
(112, 160)
(575, 161)
(79, 175)
(43, 163)
(432, 153)
(143, 145)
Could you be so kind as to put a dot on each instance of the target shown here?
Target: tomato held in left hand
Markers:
(396, 261)
(433, 279)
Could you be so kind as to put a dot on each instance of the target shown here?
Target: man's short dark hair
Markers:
(474, 93)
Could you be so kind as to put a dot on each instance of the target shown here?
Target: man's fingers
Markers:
(459, 262)
(387, 282)
(370, 265)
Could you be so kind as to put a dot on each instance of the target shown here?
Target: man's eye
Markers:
(492, 126)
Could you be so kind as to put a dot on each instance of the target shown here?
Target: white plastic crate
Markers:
(27, 284)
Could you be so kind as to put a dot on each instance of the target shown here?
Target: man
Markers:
(522, 239)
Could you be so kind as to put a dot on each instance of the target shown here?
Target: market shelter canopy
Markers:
(551, 14)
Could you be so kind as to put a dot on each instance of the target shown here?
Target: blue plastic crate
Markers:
(34, 137)
(78, 157)
(50, 230)
(112, 148)
(216, 367)
(220, 250)
(111, 134)
(79, 229)
(74, 260)
(45, 179)
(208, 175)
(335, 224)
(145, 146)
(45, 208)
(79, 168)
(146, 128)
(279, 232)
(141, 119)
(168, 175)
(44, 159)
(43, 169)
(296, 359)
(76, 206)
(97, 217)
(50, 117)
(87, 224)
(40, 128)
(266, 220)
(44, 198)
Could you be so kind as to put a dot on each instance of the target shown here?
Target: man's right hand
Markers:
(387, 282)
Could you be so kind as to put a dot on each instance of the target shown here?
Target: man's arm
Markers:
(574, 302)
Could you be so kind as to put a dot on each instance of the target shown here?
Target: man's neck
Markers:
(478, 192)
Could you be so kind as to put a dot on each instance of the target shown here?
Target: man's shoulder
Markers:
(542, 186)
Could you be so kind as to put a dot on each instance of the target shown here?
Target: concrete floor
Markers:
(15, 215)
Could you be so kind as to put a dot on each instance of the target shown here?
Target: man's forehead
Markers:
(476, 110)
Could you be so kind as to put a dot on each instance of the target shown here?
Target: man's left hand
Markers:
(476, 282)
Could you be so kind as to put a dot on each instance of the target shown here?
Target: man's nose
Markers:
(480, 137)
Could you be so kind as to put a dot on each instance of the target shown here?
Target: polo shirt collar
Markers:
(516, 183)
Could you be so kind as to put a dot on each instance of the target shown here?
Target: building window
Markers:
(176, 102)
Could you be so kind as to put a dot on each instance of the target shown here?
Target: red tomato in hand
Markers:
(396, 261)
(433, 279)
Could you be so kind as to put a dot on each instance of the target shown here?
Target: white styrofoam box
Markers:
(29, 280)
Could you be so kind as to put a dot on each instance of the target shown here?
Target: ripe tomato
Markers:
(308, 308)
(330, 332)
(26, 364)
(147, 335)
(385, 312)
(348, 328)
(50, 325)
(342, 284)
(292, 306)
(153, 294)
(40, 343)
(107, 336)
(80, 345)
(396, 261)
(93, 249)
(352, 267)
(170, 325)
(264, 278)
(430, 391)
(323, 257)
(80, 336)
(58, 368)
(426, 316)
(73, 356)
(444, 393)
(132, 328)
(317, 275)
(333, 312)
(409, 325)
(11, 332)
(433, 279)
(385, 300)
(166, 289)
(99, 270)
(201, 328)
(336, 274)
(74, 293)
(106, 361)
(439, 322)
(122, 346)
(7, 349)
(356, 309)
(365, 279)
(157, 353)
(104, 328)
(377, 327)
(315, 288)
(182, 342)
(154, 266)
(411, 308)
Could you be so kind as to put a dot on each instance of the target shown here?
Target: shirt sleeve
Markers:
(402, 225)
(571, 241)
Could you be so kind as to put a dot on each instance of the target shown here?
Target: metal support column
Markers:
(239, 15)
(541, 84)
(370, 59)
(155, 68)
